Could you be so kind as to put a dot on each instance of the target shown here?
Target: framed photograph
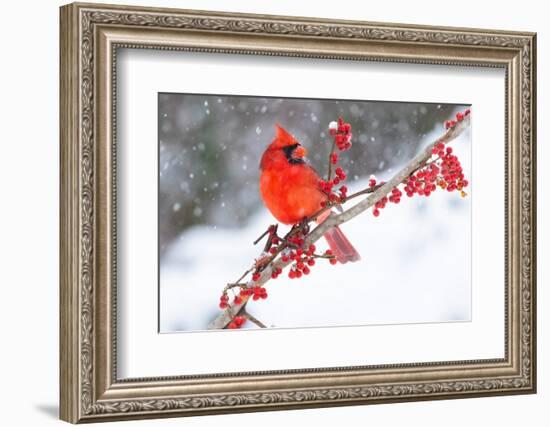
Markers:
(267, 212)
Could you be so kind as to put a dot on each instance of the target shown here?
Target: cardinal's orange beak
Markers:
(299, 152)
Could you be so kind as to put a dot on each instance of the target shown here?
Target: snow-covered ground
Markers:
(415, 267)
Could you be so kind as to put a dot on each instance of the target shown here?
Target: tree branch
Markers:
(336, 219)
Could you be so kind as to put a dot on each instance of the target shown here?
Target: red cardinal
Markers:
(290, 190)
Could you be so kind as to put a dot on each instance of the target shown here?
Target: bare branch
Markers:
(253, 319)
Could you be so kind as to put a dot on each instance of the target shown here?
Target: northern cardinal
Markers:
(290, 190)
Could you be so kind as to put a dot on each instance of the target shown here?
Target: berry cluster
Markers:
(451, 174)
(224, 301)
(448, 124)
(341, 131)
(256, 292)
(443, 170)
(330, 256)
(394, 197)
(303, 260)
(237, 322)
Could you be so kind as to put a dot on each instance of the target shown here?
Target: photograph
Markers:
(264, 210)
(247, 185)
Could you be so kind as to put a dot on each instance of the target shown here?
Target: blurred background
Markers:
(210, 211)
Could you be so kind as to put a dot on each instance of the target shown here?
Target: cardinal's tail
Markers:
(341, 247)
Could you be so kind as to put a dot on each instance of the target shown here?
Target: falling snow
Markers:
(210, 148)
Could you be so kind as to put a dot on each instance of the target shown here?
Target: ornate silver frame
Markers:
(90, 36)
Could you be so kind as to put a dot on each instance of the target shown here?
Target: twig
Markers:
(265, 233)
(253, 319)
(333, 220)
(329, 173)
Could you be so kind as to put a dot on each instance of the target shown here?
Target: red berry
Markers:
(459, 116)
(292, 274)
(311, 262)
(333, 261)
(376, 212)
